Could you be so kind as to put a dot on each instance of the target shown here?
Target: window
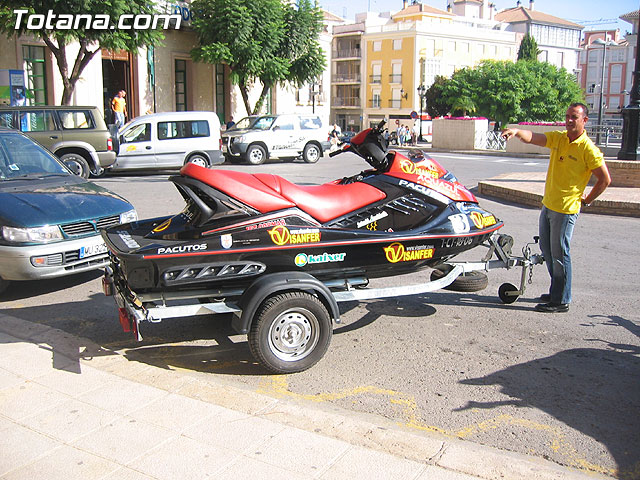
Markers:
(139, 133)
(396, 73)
(183, 129)
(37, 121)
(375, 100)
(310, 123)
(36, 71)
(72, 119)
(181, 85)
(397, 44)
(616, 79)
(377, 46)
(376, 76)
(284, 123)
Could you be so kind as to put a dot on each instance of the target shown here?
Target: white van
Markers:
(169, 140)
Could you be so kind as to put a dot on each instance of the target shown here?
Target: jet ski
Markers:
(243, 238)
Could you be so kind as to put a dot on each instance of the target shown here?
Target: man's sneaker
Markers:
(545, 297)
(552, 307)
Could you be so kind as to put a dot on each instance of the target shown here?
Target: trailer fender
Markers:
(270, 284)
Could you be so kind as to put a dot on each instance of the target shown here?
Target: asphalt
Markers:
(70, 409)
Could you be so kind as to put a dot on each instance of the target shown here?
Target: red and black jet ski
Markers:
(404, 214)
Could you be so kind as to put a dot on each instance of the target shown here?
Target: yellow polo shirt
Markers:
(569, 170)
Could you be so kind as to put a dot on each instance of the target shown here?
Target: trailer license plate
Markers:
(92, 250)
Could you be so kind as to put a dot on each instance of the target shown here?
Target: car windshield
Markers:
(263, 123)
(20, 157)
(244, 123)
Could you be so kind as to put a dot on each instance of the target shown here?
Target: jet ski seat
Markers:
(268, 193)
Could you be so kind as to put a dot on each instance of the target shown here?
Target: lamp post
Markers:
(421, 93)
(605, 44)
(631, 114)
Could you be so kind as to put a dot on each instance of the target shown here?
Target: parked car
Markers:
(169, 140)
(76, 135)
(49, 217)
(276, 136)
(346, 137)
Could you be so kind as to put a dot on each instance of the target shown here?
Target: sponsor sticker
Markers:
(482, 221)
(267, 224)
(410, 168)
(372, 221)
(182, 249)
(303, 259)
(226, 241)
(281, 235)
(459, 223)
(163, 226)
(128, 239)
(397, 252)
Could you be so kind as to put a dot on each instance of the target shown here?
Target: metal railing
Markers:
(346, 101)
(347, 53)
(395, 103)
(605, 135)
(346, 78)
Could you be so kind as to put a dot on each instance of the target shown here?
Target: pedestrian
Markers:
(333, 137)
(119, 108)
(573, 158)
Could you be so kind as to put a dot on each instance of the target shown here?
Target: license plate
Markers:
(92, 250)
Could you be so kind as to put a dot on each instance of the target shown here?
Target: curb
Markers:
(453, 456)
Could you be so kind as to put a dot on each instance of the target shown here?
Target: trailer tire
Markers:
(467, 282)
(290, 332)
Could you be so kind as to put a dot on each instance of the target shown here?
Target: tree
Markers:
(436, 105)
(270, 41)
(61, 14)
(513, 92)
(528, 48)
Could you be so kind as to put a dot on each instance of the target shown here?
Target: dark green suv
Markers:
(76, 135)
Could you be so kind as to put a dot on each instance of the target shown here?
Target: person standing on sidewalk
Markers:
(573, 158)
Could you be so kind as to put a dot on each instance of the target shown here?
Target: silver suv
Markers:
(76, 135)
(256, 139)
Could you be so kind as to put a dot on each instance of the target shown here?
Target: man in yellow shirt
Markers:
(574, 157)
(119, 107)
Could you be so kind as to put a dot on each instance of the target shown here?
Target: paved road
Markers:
(560, 386)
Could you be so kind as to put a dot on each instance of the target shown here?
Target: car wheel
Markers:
(199, 159)
(77, 164)
(290, 332)
(311, 153)
(256, 155)
(98, 173)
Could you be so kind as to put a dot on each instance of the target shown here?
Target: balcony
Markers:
(375, 103)
(346, 78)
(395, 78)
(377, 79)
(395, 103)
(346, 101)
(346, 53)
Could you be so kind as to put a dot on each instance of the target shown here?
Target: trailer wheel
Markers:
(504, 293)
(467, 282)
(290, 332)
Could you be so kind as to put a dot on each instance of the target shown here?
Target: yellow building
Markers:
(420, 42)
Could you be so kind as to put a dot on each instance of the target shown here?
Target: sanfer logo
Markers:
(280, 235)
(394, 252)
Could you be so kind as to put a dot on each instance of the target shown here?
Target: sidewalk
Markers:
(72, 410)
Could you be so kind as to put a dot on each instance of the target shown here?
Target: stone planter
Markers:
(514, 145)
(460, 134)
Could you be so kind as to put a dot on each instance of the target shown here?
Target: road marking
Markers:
(278, 386)
(531, 163)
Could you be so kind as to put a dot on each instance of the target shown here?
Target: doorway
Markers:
(116, 76)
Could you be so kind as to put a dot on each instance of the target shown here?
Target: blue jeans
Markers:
(555, 231)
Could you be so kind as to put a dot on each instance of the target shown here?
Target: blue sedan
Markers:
(50, 219)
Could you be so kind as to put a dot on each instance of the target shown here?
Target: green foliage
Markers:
(435, 104)
(528, 49)
(525, 91)
(91, 41)
(270, 41)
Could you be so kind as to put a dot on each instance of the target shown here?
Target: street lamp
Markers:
(605, 44)
(422, 91)
(631, 114)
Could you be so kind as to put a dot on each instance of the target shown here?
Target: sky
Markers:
(593, 14)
